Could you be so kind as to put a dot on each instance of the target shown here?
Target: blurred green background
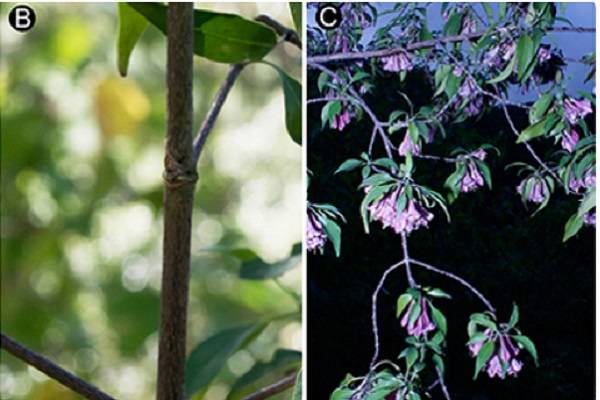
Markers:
(81, 213)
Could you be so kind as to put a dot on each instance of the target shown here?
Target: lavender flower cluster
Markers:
(411, 218)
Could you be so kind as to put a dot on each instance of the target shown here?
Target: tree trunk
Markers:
(180, 177)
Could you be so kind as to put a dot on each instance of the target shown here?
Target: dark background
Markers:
(493, 242)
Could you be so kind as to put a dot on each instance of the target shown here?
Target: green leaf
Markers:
(528, 345)
(505, 73)
(484, 320)
(482, 357)
(439, 319)
(224, 38)
(297, 394)
(514, 317)
(533, 131)
(131, 27)
(572, 226)
(454, 24)
(411, 357)
(477, 338)
(402, 302)
(439, 293)
(262, 374)
(330, 109)
(292, 94)
(485, 171)
(296, 10)
(439, 363)
(588, 202)
(257, 269)
(334, 233)
(525, 54)
(207, 358)
(349, 165)
(539, 108)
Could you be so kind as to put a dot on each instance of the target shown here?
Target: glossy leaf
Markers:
(220, 37)
(261, 374)
(572, 226)
(528, 345)
(334, 233)
(257, 269)
(207, 358)
(505, 73)
(296, 11)
(297, 394)
(292, 93)
(533, 131)
(131, 27)
(525, 54)
(482, 357)
(402, 302)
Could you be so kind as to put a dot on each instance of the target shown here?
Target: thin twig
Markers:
(458, 279)
(288, 35)
(530, 148)
(442, 383)
(364, 385)
(54, 371)
(273, 389)
(411, 280)
(378, 124)
(215, 109)
(374, 310)
(327, 58)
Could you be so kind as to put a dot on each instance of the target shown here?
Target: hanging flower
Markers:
(504, 361)
(315, 234)
(397, 62)
(422, 324)
(411, 218)
(468, 88)
(472, 179)
(341, 120)
(590, 218)
(408, 146)
(575, 109)
(544, 54)
(569, 140)
(539, 190)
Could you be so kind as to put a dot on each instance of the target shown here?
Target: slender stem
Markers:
(436, 158)
(442, 383)
(458, 279)
(409, 276)
(288, 35)
(215, 109)
(530, 148)
(374, 310)
(54, 371)
(323, 59)
(273, 389)
(180, 178)
(363, 104)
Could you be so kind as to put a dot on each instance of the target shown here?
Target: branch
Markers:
(442, 383)
(378, 124)
(324, 59)
(180, 178)
(273, 389)
(215, 109)
(288, 35)
(54, 371)
(411, 280)
(458, 279)
(530, 148)
(374, 311)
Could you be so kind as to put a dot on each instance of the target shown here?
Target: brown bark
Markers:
(180, 177)
(54, 371)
